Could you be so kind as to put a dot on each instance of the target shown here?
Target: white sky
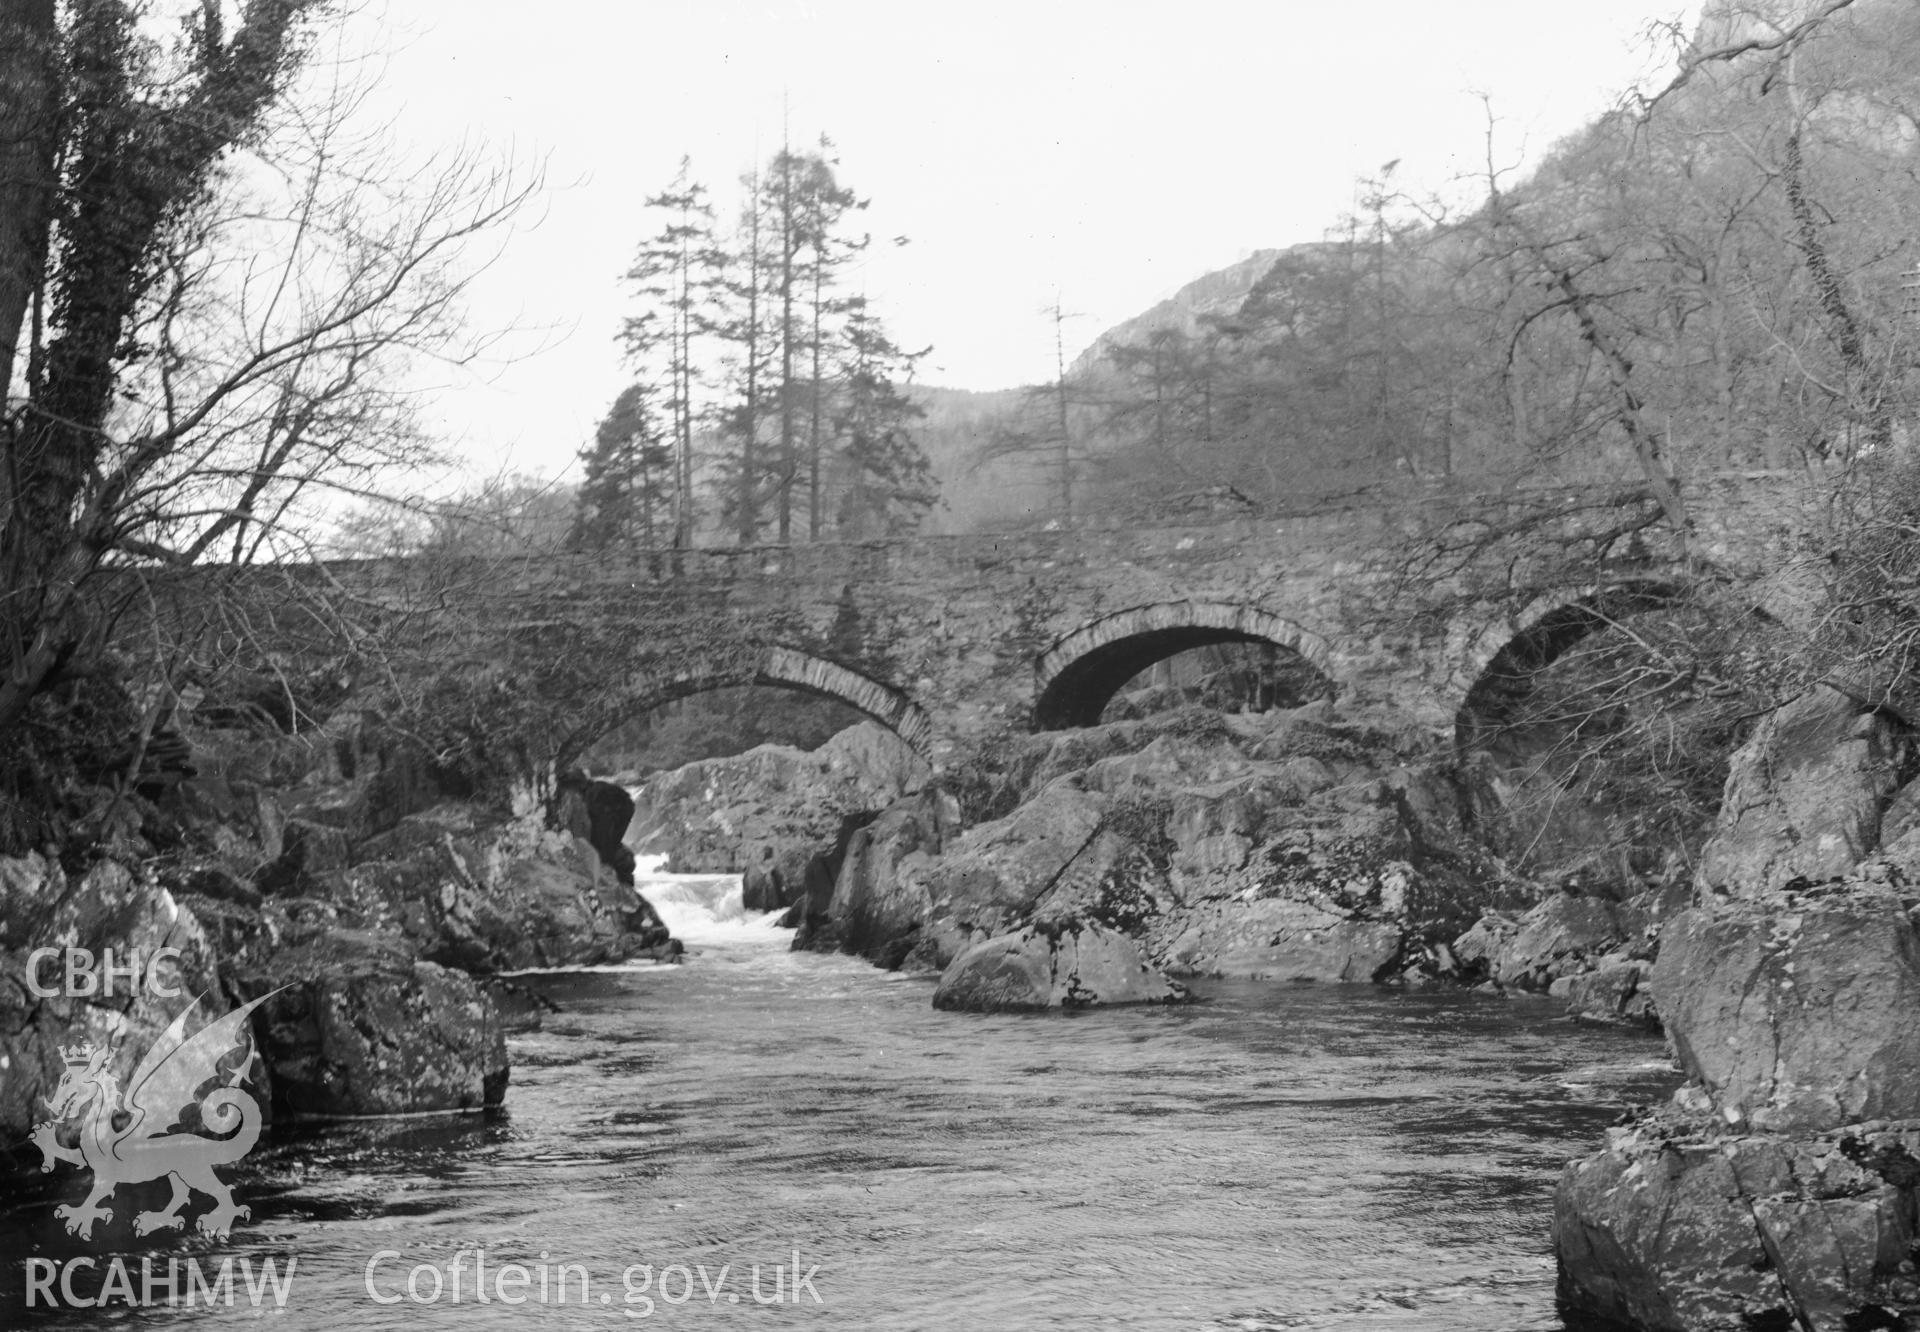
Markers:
(1111, 150)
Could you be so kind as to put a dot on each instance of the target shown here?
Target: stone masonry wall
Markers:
(944, 638)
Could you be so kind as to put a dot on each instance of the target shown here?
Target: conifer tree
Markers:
(888, 485)
(678, 274)
(627, 495)
(753, 346)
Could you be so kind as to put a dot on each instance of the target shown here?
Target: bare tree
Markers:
(1040, 434)
(211, 298)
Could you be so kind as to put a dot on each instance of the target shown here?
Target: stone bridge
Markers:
(949, 640)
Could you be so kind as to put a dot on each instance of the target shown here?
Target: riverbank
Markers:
(1340, 1157)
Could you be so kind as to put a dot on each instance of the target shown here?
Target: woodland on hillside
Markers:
(1719, 275)
(1716, 274)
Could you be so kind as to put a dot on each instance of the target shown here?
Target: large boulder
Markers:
(726, 815)
(1797, 1011)
(1805, 795)
(1615, 990)
(106, 908)
(599, 814)
(1562, 936)
(488, 896)
(359, 1026)
(1276, 939)
(1031, 970)
(878, 902)
(776, 883)
(1682, 1226)
(1061, 860)
(991, 875)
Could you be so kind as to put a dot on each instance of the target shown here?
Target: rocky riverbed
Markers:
(1118, 862)
(333, 877)
(1298, 845)
(378, 914)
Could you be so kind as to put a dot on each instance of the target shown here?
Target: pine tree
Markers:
(889, 484)
(784, 327)
(747, 343)
(628, 494)
(827, 205)
(678, 274)
(743, 327)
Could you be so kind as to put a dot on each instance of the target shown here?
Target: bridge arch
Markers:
(777, 666)
(1078, 675)
(1503, 656)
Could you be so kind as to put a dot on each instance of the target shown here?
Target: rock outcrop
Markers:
(599, 814)
(379, 1014)
(1685, 1225)
(360, 1026)
(1782, 1185)
(735, 815)
(1615, 990)
(104, 910)
(1798, 1011)
(1805, 795)
(330, 867)
(1593, 953)
(1295, 844)
(1562, 936)
(1071, 967)
(876, 903)
(488, 896)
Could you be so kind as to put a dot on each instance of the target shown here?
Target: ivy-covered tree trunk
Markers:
(96, 195)
(29, 110)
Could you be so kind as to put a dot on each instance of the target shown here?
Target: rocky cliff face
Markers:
(1780, 1188)
(1217, 293)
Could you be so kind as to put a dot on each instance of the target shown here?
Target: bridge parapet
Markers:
(954, 638)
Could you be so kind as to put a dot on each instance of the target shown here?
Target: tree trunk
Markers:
(1868, 398)
(789, 250)
(29, 107)
(143, 166)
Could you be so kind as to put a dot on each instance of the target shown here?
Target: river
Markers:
(1276, 1156)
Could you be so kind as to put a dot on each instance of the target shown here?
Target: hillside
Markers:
(1720, 279)
(1217, 293)
(953, 432)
